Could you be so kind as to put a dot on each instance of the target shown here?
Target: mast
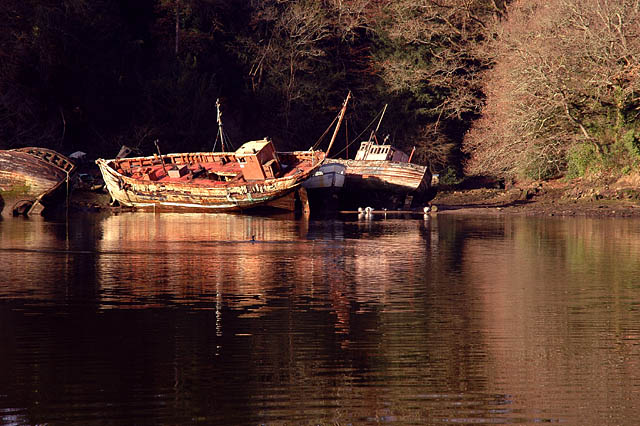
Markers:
(374, 132)
(219, 118)
(161, 157)
(381, 116)
(335, 132)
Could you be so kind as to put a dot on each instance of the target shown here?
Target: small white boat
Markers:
(329, 176)
(324, 187)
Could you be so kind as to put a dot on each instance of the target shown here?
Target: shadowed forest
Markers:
(510, 89)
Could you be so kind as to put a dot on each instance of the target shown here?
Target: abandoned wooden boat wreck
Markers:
(254, 175)
(33, 180)
(382, 176)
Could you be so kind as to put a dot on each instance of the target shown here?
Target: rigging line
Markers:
(315, 145)
(381, 116)
(215, 143)
(224, 138)
(225, 142)
(229, 144)
(346, 137)
(372, 121)
(350, 143)
(358, 137)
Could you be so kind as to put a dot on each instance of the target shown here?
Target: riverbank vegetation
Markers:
(510, 89)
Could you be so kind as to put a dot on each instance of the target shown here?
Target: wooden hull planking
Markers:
(386, 175)
(205, 194)
(28, 175)
(381, 180)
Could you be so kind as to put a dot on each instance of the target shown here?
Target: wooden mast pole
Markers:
(381, 117)
(374, 132)
(161, 157)
(335, 132)
(220, 124)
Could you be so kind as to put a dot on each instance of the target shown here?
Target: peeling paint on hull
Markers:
(386, 182)
(203, 194)
(30, 174)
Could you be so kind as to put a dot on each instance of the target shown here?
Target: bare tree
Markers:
(566, 73)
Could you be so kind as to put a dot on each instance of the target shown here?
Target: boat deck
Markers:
(198, 174)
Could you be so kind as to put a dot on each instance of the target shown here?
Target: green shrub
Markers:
(580, 158)
(631, 141)
(449, 177)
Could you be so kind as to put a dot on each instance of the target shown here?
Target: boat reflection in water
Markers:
(189, 258)
(32, 253)
(198, 258)
(141, 260)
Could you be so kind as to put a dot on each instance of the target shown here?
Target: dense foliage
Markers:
(92, 75)
(564, 95)
(509, 88)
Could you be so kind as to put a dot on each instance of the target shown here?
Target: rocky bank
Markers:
(600, 196)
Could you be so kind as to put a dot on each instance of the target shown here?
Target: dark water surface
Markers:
(182, 319)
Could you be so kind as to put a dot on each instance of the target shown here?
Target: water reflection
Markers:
(563, 301)
(230, 319)
(31, 251)
(193, 259)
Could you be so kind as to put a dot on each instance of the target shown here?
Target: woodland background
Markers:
(510, 89)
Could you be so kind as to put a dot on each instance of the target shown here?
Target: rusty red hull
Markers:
(212, 181)
(30, 175)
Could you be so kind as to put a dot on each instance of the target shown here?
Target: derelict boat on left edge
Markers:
(33, 180)
(254, 175)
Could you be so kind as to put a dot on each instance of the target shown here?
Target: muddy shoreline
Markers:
(557, 198)
(549, 198)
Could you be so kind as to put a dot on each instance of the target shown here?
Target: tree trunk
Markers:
(177, 25)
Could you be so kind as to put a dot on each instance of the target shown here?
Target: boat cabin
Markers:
(255, 160)
(370, 150)
(258, 160)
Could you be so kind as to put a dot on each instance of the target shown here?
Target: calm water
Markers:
(182, 319)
